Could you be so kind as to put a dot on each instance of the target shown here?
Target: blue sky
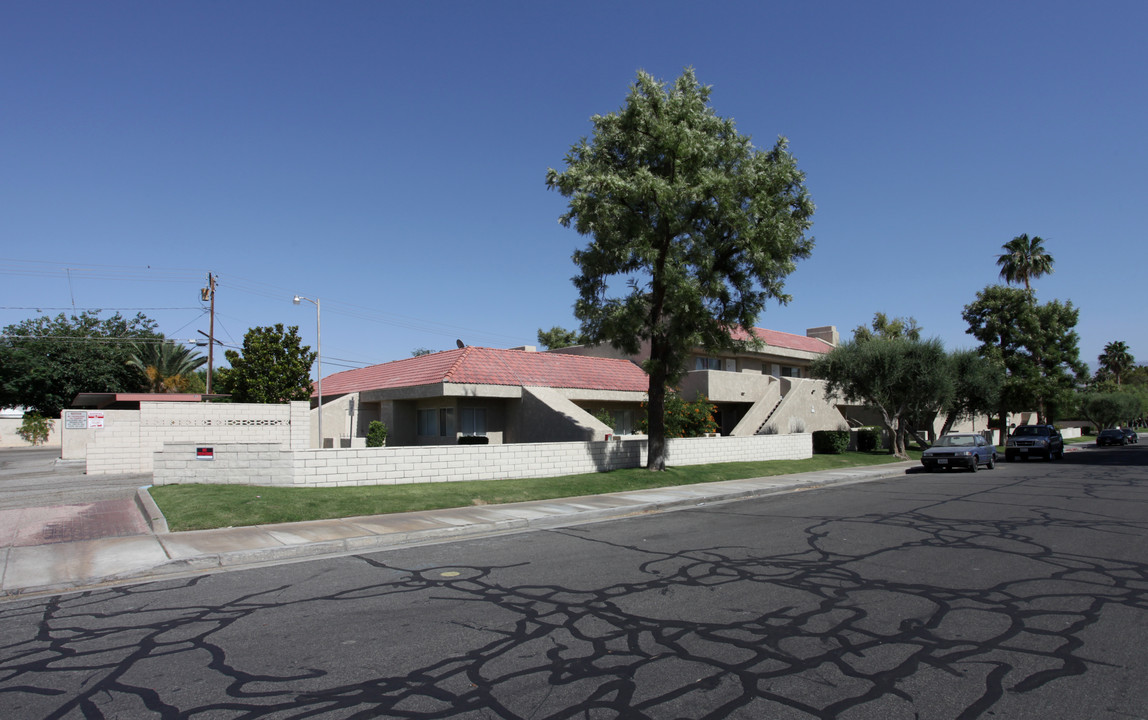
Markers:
(390, 158)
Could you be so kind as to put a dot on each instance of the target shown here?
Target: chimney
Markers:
(827, 333)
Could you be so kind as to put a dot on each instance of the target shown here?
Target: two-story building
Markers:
(762, 388)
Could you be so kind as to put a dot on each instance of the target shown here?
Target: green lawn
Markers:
(199, 507)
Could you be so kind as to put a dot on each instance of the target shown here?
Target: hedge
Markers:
(868, 439)
(830, 442)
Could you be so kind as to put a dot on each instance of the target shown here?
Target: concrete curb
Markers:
(551, 515)
(370, 543)
(151, 512)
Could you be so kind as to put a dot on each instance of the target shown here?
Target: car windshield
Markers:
(1031, 430)
(956, 441)
(1111, 432)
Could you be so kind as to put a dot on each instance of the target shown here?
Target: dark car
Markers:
(1131, 435)
(963, 450)
(1111, 436)
(1034, 440)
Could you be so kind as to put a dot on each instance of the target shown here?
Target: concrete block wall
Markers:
(265, 464)
(113, 448)
(258, 463)
(756, 448)
(129, 440)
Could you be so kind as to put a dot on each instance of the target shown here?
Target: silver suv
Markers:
(1034, 440)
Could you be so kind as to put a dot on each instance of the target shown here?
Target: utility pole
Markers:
(208, 293)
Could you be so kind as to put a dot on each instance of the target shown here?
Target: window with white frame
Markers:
(472, 421)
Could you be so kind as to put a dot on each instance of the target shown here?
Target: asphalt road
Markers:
(1020, 592)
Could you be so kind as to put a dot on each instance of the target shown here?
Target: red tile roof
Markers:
(488, 366)
(785, 340)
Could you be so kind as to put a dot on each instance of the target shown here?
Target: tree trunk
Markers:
(656, 417)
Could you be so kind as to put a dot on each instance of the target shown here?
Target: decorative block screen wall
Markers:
(129, 440)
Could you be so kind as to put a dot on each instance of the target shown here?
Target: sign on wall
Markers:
(204, 453)
(95, 419)
(75, 419)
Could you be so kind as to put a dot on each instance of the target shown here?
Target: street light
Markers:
(318, 356)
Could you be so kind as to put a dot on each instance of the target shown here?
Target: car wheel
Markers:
(973, 467)
(992, 462)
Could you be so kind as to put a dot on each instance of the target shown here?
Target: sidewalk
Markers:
(42, 568)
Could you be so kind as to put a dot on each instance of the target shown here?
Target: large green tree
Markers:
(1024, 259)
(976, 387)
(907, 381)
(275, 367)
(1109, 409)
(45, 362)
(692, 230)
(558, 337)
(1036, 344)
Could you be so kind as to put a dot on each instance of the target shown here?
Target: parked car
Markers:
(1131, 435)
(963, 450)
(1034, 440)
(1111, 436)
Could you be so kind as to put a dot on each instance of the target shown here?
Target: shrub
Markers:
(684, 419)
(604, 416)
(35, 428)
(830, 442)
(868, 439)
(376, 434)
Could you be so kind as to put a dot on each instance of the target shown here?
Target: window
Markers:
(623, 422)
(446, 422)
(428, 422)
(472, 421)
(790, 372)
(708, 363)
(436, 422)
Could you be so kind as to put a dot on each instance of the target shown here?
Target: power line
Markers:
(40, 268)
(41, 308)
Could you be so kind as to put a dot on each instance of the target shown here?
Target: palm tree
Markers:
(1024, 258)
(1116, 360)
(168, 366)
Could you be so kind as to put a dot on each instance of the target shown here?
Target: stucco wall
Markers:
(546, 414)
(9, 438)
(804, 408)
(721, 386)
(271, 464)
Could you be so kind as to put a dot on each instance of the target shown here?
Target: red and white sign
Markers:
(95, 419)
(204, 453)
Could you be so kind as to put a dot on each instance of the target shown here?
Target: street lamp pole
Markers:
(318, 357)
